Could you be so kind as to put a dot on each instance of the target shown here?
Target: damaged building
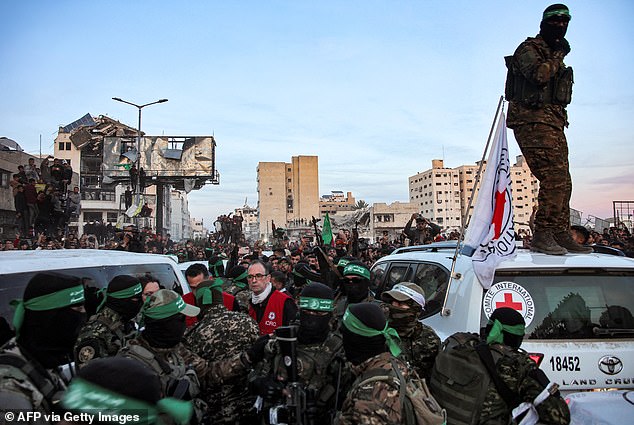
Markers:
(104, 151)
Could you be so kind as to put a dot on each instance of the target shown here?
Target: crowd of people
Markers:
(291, 337)
(42, 197)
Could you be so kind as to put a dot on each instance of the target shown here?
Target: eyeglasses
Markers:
(256, 276)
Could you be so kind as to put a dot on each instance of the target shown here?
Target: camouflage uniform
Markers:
(420, 347)
(20, 391)
(320, 368)
(170, 364)
(220, 336)
(103, 336)
(539, 131)
(515, 368)
(377, 402)
(243, 296)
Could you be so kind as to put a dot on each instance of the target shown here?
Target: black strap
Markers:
(511, 399)
(41, 381)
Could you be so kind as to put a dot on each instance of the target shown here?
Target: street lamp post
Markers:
(138, 145)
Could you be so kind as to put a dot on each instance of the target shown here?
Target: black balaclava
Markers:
(127, 308)
(216, 266)
(207, 298)
(359, 348)
(356, 290)
(404, 319)
(50, 335)
(510, 317)
(238, 276)
(140, 383)
(301, 274)
(314, 329)
(165, 333)
(553, 34)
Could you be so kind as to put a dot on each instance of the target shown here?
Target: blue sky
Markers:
(376, 88)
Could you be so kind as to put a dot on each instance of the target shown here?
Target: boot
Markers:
(544, 242)
(565, 240)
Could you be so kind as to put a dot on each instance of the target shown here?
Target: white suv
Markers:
(578, 308)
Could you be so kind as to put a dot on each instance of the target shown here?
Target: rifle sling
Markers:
(511, 399)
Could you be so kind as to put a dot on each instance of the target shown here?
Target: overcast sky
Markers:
(376, 89)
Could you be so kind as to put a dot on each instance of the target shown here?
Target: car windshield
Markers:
(567, 304)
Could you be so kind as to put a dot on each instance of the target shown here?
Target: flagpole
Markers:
(444, 311)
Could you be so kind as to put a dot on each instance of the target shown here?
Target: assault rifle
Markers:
(295, 393)
(355, 240)
(318, 236)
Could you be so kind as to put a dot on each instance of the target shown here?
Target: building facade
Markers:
(287, 192)
(180, 220)
(442, 194)
(249, 222)
(390, 218)
(436, 193)
(198, 228)
(336, 202)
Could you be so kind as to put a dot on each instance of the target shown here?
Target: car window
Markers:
(396, 273)
(378, 272)
(94, 278)
(433, 281)
(567, 305)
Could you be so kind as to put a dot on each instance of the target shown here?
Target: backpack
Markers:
(418, 404)
(460, 378)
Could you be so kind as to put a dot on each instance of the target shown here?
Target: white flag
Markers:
(490, 237)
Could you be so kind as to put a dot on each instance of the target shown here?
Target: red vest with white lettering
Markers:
(273, 313)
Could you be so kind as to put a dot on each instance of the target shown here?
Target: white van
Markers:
(95, 267)
(577, 308)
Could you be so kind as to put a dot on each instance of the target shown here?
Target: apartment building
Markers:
(287, 192)
(442, 194)
(436, 192)
(336, 202)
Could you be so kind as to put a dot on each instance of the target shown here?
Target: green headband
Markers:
(318, 304)
(163, 311)
(215, 266)
(59, 299)
(356, 270)
(343, 262)
(556, 12)
(358, 327)
(122, 294)
(83, 395)
(203, 295)
(237, 280)
(495, 334)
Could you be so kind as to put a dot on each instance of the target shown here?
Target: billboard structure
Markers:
(185, 163)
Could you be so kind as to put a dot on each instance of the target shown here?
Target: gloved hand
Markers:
(256, 351)
(266, 387)
(562, 46)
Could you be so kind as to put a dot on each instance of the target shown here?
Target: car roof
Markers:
(442, 252)
(33, 260)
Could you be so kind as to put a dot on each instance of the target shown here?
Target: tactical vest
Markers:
(314, 364)
(460, 380)
(168, 371)
(557, 91)
(418, 406)
(17, 367)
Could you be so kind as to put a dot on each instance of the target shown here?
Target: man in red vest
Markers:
(195, 274)
(269, 307)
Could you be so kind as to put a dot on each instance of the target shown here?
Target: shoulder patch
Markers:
(86, 353)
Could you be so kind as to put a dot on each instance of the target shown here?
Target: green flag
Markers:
(326, 231)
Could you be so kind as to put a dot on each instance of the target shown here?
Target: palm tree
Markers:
(361, 204)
